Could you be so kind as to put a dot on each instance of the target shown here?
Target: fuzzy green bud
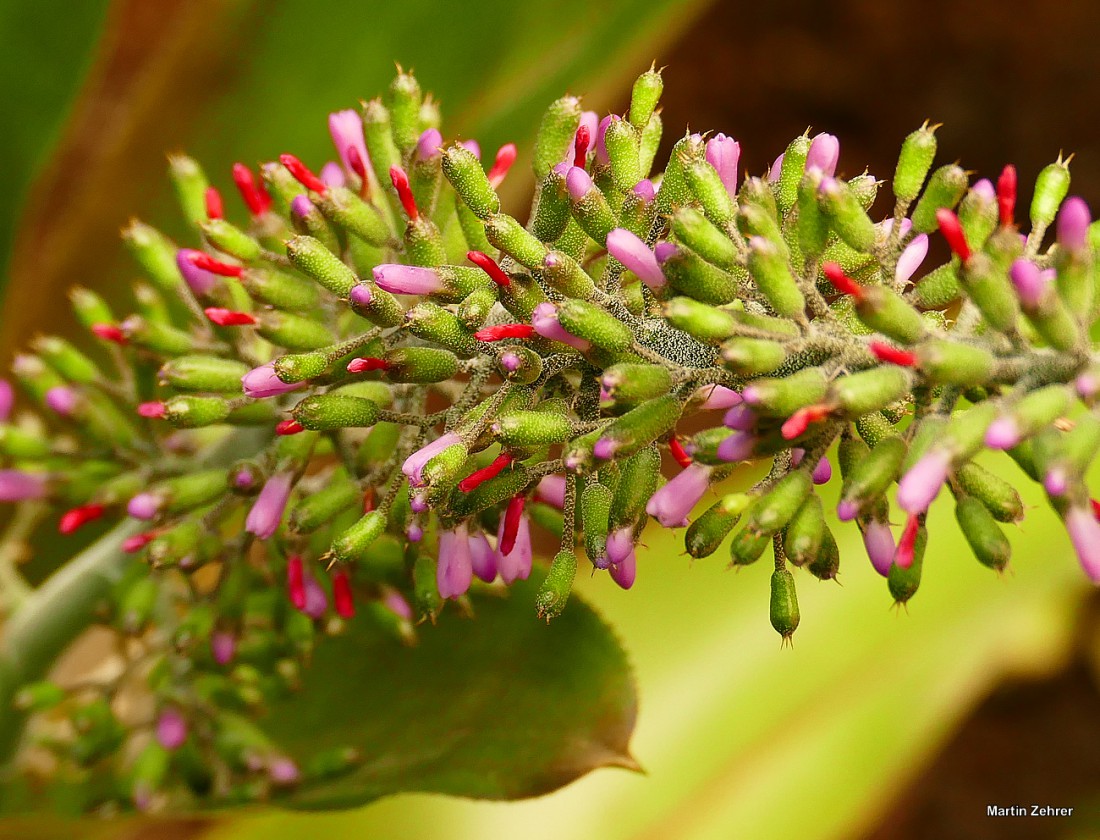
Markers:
(204, 373)
(352, 545)
(595, 510)
(983, 534)
(784, 603)
(321, 507)
(644, 97)
(469, 180)
(803, 537)
(779, 504)
(769, 268)
(706, 533)
(945, 189)
(335, 411)
(917, 153)
(190, 184)
(312, 258)
(1051, 187)
(555, 135)
(590, 322)
(846, 215)
(154, 252)
(554, 592)
(791, 172)
(622, 140)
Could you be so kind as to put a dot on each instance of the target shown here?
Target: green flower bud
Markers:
(690, 274)
(555, 589)
(903, 583)
(591, 209)
(20, 443)
(701, 236)
(280, 289)
(509, 236)
(204, 373)
(294, 332)
(90, 309)
(469, 180)
(564, 274)
(644, 97)
(983, 534)
(638, 477)
(335, 411)
(674, 191)
(639, 427)
(700, 320)
(886, 312)
(191, 491)
(779, 504)
(784, 603)
(917, 152)
(827, 562)
(39, 696)
(404, 100)
(187, 412)
(492, 492)
(420, 364)
(707, 187)
(937, 289)
(791, 172)
(346, 210)
(595, 509)
(588, 321)
(782, 397)
(552, 208)
(803, 537)
(190, 184)
(177, 546)
(747, 547)
(311, 257)
(532, 428)
(706, 533)
(952, 363)
(870, 390)
(622, 141)
(989, 288)
(945, 189)
(351, 546)
(999, 497)
(1051, 188)
(378, 134)
(846, 216)
(155, 252)
(869, 476)
(160, 338)
(978, 216)
(324, 505)
(64, 358)
(555, 136)
(632, 382)
(812, 225)
(433, 323)
(752, 356)
(230, 239)
(769, 268)
(758, 212)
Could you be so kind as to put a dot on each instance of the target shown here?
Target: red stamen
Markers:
(678, 452)
(154, 410)
(894, 355)
(801, 420)
(138, 542)
(302, 174)
(841, 281)
(903, 557)
(214, 266)
(215, 209)
(503, 331)
(76, 518)
(367, 363)
(506, 156)
(342, 596)
(580, 146)
(252, 192)
(359, 167)
(478, 477)
(511, 524)
(288, 427)
(404, 192)
(1006, 195)
(952, 231)
(109, 332)
(296, 581)
(229, 318)
(490, 267)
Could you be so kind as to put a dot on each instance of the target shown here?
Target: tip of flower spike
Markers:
(288, 427)
(342, 596)
(214, 266)
(1006, 196)
(301, 206)
(679, 454)
(581, 142)
(229, 318)
(841, 281)
(847, 510)
(893, 355)
(253, 194)
(72, 520)
(797, 424)
(295, 582)
(137, 542)
(155, 410)
(302, 174)
(478, 477)
(109, 332)
(400, 182)
(903, 557)
(215, 209)
(952, 231)
(578, 183)
(500, 332)
(490, 267)
(506, 156)
(367, 363)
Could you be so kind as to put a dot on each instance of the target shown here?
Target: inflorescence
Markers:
(369, 393)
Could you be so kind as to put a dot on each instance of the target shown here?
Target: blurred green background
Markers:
(874, 725)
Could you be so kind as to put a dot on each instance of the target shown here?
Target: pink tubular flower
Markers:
(878, 540)
(822, 472)
(360, 295)
(645, 191)
(429, 144)
(1056, 481)
(19, 486)
(905, 553)
(911, 258)
(824, 154)
(1073, 224)
(62, 400)
(283, 772)
(332, 175)
(144, 506)
(316, 601)
(737, 447)
(717, 398)
(545, 321)
(847, 510)
(578, 183)
(601, 141)
(551, 490)
(346, 129)
(407, 279)
(1084, 533)
(472, 146)
(776, 169)
(223, 646)
(414, 464)
(625, 571)
(740, 417)
(620, 545)
(633, 253)
(263, 382)
(7, 400)
(724, 154)
(1003, 433)
(171, 728)
(985, 190)
(454, 570)
(395, 602)
(267, 511)
(200, 281)
(1029, 282)
(671, 504)
(483, 559)
(516, 564)
(918, 487)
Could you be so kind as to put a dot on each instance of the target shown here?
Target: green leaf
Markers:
(502, 706)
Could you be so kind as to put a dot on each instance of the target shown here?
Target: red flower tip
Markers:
(288, 427)
(109, 332)
(342, 596)
(580, 146)
(367, 363)
(404, 192)
(506, 156)
(903, 557)
(302, 174)
(801, 420)
(841, 281)
(952, 231)
(490, 267)
(511, 524)
(678, 452)
(229, 318)
(1006, 195)
(1095, 508)
(368, 500)
(503, 331)
(359, 167)
(888, 353)
(76, 518)
(214, 266)
(215, 209)
(252, 192)
(138, 542)
(485, 473)
(154, 410)
(296, 581)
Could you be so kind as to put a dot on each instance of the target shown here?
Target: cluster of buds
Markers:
(411, 384)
